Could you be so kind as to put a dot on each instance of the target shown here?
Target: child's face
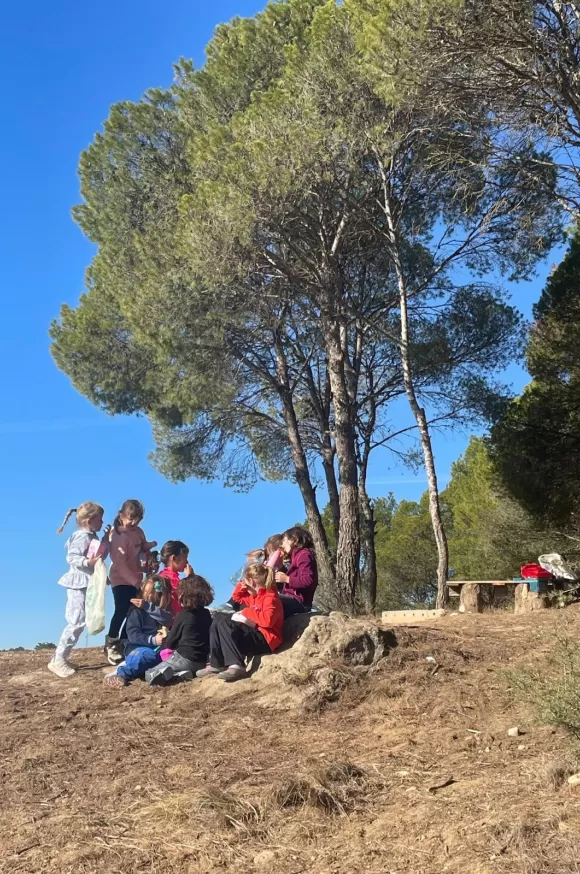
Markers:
(129, 521)
(148, 593)
(286, 546)
(179, 562)
(94, 524)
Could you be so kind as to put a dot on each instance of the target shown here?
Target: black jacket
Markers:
(190, 634)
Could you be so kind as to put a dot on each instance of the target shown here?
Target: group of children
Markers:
(161, 627)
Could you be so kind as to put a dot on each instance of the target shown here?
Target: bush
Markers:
(44, 645)
(554, 691)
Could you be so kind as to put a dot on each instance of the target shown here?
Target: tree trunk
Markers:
(368, 553)
(470, 598)
(418, 411)
(348, 547)
(325, 562)
(527, 601)
(321, 403)
(332, 488)
(326, 569)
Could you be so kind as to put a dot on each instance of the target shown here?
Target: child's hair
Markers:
(273, 543)
(300, 537)
(157, 590)
(133, 509)
(173, 547)
(260, 574)
(85, 511)
(194, 592)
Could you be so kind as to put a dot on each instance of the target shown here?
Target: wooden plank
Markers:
(392, 617)
(452, 583)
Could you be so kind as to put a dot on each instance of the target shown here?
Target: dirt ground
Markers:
(409, 769)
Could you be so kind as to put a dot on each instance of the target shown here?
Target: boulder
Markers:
(336, 636)
(320, 656)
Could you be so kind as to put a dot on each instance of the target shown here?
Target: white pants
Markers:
(75, 622)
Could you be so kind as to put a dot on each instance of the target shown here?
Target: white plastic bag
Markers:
(95, 603)
(557, 566)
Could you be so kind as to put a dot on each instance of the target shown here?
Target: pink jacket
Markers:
(124, 549)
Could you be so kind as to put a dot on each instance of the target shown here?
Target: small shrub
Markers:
(335, 789)
(234, 811)
(554, 691)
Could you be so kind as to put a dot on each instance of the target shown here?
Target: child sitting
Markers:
(301, 579)
(175, 556)
(270, 555)
(255, 630)
(145, 632)
(187, 644)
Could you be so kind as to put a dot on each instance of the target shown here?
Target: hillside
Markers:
(268, 775)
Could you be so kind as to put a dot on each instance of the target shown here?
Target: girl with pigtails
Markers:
(83, 549)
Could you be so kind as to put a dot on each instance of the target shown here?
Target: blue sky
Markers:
(62, 66)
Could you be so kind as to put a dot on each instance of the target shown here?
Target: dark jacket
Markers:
(190, 634)
(143, 623)
(303, 573)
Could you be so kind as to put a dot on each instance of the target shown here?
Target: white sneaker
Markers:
(114, 657)
(60, 668)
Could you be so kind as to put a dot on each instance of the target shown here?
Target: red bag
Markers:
(533, 570)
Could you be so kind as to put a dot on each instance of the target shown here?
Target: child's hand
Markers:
(106, 533)
(149, 544)
(188, 570)
(92, 561)
(137, 602)
(281, 577)
(159, 638)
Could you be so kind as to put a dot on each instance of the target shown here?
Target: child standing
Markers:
(83, 549)
(255, 630)
(127, 546)
(189, 636)
(145, 632)
(301, 579)
(174, 555)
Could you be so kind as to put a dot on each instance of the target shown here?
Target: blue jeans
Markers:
(138, 661)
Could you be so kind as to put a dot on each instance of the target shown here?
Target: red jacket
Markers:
(174, 580)
(303, 576)
(265, 609)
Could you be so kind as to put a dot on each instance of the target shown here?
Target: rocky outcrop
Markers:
(320, 656)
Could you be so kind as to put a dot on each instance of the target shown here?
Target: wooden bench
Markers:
(530, 594)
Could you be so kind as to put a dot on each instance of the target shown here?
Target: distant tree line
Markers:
(38, 647)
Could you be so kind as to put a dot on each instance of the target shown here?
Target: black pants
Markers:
(292, 607)
(230, 642)
(122, 596)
